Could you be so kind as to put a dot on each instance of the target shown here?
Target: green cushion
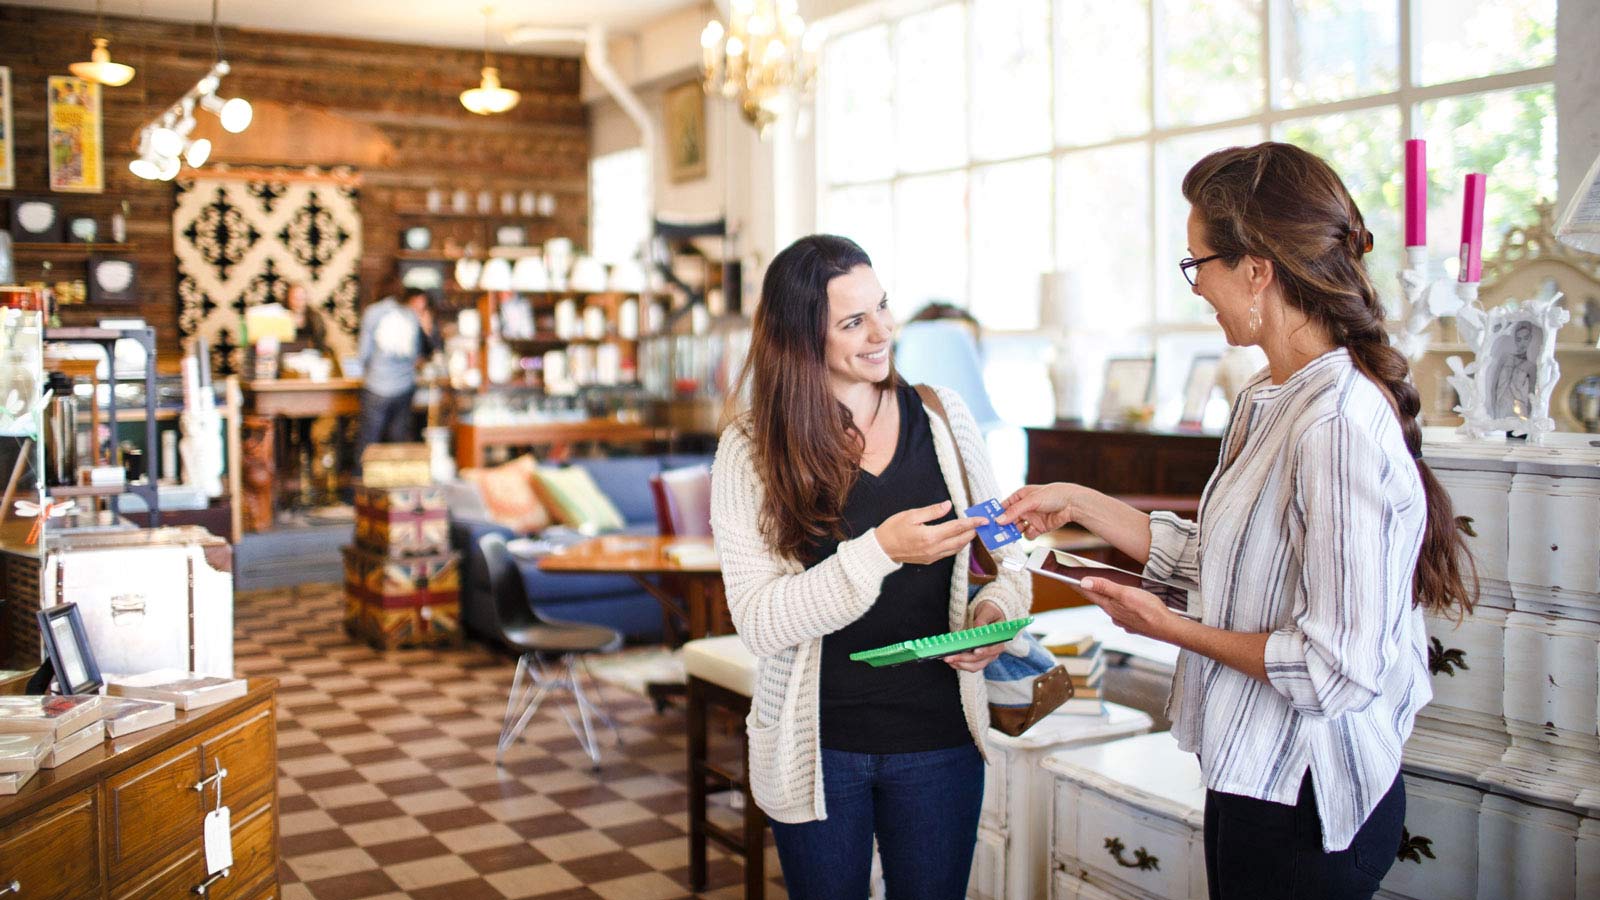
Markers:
(576, 500)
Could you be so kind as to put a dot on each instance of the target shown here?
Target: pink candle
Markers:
(1472, 228)
(1416, 193)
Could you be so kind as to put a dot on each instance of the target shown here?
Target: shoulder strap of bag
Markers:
(984, 564)
(930, 399)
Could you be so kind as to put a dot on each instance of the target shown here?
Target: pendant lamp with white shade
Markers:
(489, 98)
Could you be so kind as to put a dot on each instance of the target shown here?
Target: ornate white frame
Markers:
(1480, 330)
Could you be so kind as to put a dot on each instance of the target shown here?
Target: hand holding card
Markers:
(993, 536)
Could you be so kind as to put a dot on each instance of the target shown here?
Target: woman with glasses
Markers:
(1321, 538)
(831, 502)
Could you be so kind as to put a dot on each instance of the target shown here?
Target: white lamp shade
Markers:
(529, 274)
(588, 275)
(145, 168)
(1060, 301)
(468, 271)
(627, 277)
(198, 152)
(496, 275)
(489, 98)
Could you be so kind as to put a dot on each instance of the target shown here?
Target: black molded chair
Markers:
(523, 629)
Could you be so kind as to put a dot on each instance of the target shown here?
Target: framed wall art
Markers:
(73, 136)
(685, 132)
(1127, 388)
(36, 220)
(113, 279)
(8, 163)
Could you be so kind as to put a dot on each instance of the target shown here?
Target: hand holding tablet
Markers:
(1072, 569)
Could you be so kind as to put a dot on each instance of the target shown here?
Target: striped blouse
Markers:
(1311, 533)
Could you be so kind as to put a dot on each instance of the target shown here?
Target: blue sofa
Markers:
(613, 600)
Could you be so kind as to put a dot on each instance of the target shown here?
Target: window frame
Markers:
(1407, 97)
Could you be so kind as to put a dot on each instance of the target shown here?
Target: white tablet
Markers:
(1072, 569)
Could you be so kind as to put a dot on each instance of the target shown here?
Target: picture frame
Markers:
(8, 163)
(67, 647)
(73, 140)
(35, 220)
(510, 235)
(113, 279)
(1198, 389)
(423, 274)
(82, 230)
(1507, 385)
(416, 237)
(1127, 386)
(684, 119)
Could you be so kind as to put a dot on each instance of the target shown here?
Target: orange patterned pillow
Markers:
(509, 496)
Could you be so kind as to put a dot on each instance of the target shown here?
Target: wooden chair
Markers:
(721, 675)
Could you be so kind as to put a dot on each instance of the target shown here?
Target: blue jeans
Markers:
(923, 808)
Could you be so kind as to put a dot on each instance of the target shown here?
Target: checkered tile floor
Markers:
(388, 786)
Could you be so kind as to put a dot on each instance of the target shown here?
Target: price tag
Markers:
(219, 840)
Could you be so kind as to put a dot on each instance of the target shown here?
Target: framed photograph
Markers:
(1507, 386)
(685, 132)
(36, 220)
(423, 274)
(73, 138)
(8, 164)
(113, 279)
(67, 647)
(1127, 388)
(1198, 389)
(82, 230)
(417, 237)
(510, 236)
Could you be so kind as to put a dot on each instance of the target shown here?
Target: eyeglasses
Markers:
(1189, 265)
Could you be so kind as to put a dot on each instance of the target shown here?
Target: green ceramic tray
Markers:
(942, 645)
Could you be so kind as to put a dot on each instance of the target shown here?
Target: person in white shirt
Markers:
(1321, 538)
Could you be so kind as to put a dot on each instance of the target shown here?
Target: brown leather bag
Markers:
(983, 569)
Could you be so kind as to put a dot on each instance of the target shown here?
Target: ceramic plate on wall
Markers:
(113, 279)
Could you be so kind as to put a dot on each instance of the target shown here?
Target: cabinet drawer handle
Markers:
(216, 776)
(204, 887)
(1414, 848)
(14, 888)
(1445, 659)
(1142, 860)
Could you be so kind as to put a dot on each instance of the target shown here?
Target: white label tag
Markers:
(219, 840)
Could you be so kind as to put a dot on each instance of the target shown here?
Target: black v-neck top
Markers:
(916, 706)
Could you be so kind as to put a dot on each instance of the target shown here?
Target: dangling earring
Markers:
(1255, 316)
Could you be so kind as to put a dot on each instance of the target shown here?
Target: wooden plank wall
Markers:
(410, 93)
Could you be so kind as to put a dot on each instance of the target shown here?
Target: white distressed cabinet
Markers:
(1012, 859)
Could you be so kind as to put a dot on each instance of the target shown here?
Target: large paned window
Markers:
(972, 146)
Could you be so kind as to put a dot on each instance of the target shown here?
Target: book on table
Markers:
(75, 744)
(11, 782)
(1068, 645)
(185, 690)
(22, 752)
(126, 715)
(54, 716)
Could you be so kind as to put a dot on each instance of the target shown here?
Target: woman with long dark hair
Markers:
(834, 502)
(1321, 538)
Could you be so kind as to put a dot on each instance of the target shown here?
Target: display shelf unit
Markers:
(106, 339)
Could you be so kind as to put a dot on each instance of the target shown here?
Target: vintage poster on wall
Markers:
(73, 119)
(8, 166)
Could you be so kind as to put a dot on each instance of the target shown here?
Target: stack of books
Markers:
(1085, 661)
(125, 715)
(44, 732)
(184, 690)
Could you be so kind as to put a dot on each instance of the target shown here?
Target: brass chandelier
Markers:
(765, 58)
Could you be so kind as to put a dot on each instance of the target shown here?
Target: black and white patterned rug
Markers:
(242, 238)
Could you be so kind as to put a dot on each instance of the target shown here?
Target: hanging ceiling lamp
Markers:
(100, 68)
(489, 98)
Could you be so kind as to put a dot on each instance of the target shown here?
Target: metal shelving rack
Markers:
(107, 339)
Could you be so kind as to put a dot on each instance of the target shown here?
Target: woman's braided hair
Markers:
(1281, 203)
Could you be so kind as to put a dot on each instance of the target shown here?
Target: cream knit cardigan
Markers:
(782, 610)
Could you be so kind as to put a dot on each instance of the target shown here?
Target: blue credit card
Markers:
(993, 536)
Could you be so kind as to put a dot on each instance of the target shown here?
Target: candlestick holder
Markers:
(1421, 302)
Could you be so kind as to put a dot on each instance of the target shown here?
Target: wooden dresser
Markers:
(1168, 463)
(124, 820)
